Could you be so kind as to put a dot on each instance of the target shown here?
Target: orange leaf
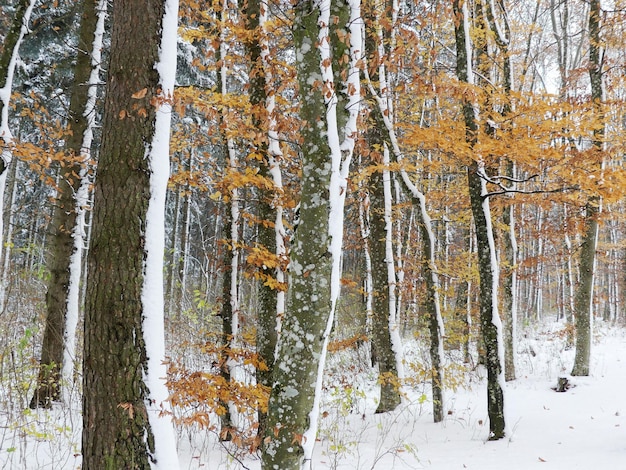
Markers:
(140, 94)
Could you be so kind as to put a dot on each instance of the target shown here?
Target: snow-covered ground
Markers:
(583, 428)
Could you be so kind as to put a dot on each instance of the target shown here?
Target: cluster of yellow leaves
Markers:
(264, 264)
(42, 154)
(347, 343)
(199, 397)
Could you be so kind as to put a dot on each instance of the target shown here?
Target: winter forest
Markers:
(299, 234)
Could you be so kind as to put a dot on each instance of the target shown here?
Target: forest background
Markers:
(510, 109)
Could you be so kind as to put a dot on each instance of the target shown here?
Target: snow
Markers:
(152, 293)
(580, 429)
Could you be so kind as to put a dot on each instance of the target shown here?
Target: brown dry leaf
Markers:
(140, 94)
(129, 408)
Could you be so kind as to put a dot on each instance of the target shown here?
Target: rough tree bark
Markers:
(123, 372)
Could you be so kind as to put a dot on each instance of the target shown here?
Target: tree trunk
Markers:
(328, 132)
(509, 298)
(8, 62)
(487, 262)
(583, 301)
(382, 287)
(123, 372)
(230, 292)
(502, 35)
(8, 214)
(271, 296)
(66, 227)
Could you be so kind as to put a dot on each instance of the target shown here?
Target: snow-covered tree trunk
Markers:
(386, 339)
(432, 302)
(230, 304)
(383, 274)
(271, 235)
(123, 370)
(8, 215)
(8, 62)
(66, 246)
(365, 231)
(501, 32)
(487, 262)
(329, 110)
(583, 300)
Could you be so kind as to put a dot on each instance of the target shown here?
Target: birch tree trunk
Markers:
(123, 372)
(329, 110)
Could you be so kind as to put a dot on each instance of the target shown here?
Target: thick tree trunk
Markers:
(123, 350)
(328, 114)
(301, 344)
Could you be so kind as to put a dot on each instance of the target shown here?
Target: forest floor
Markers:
(582, 428)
